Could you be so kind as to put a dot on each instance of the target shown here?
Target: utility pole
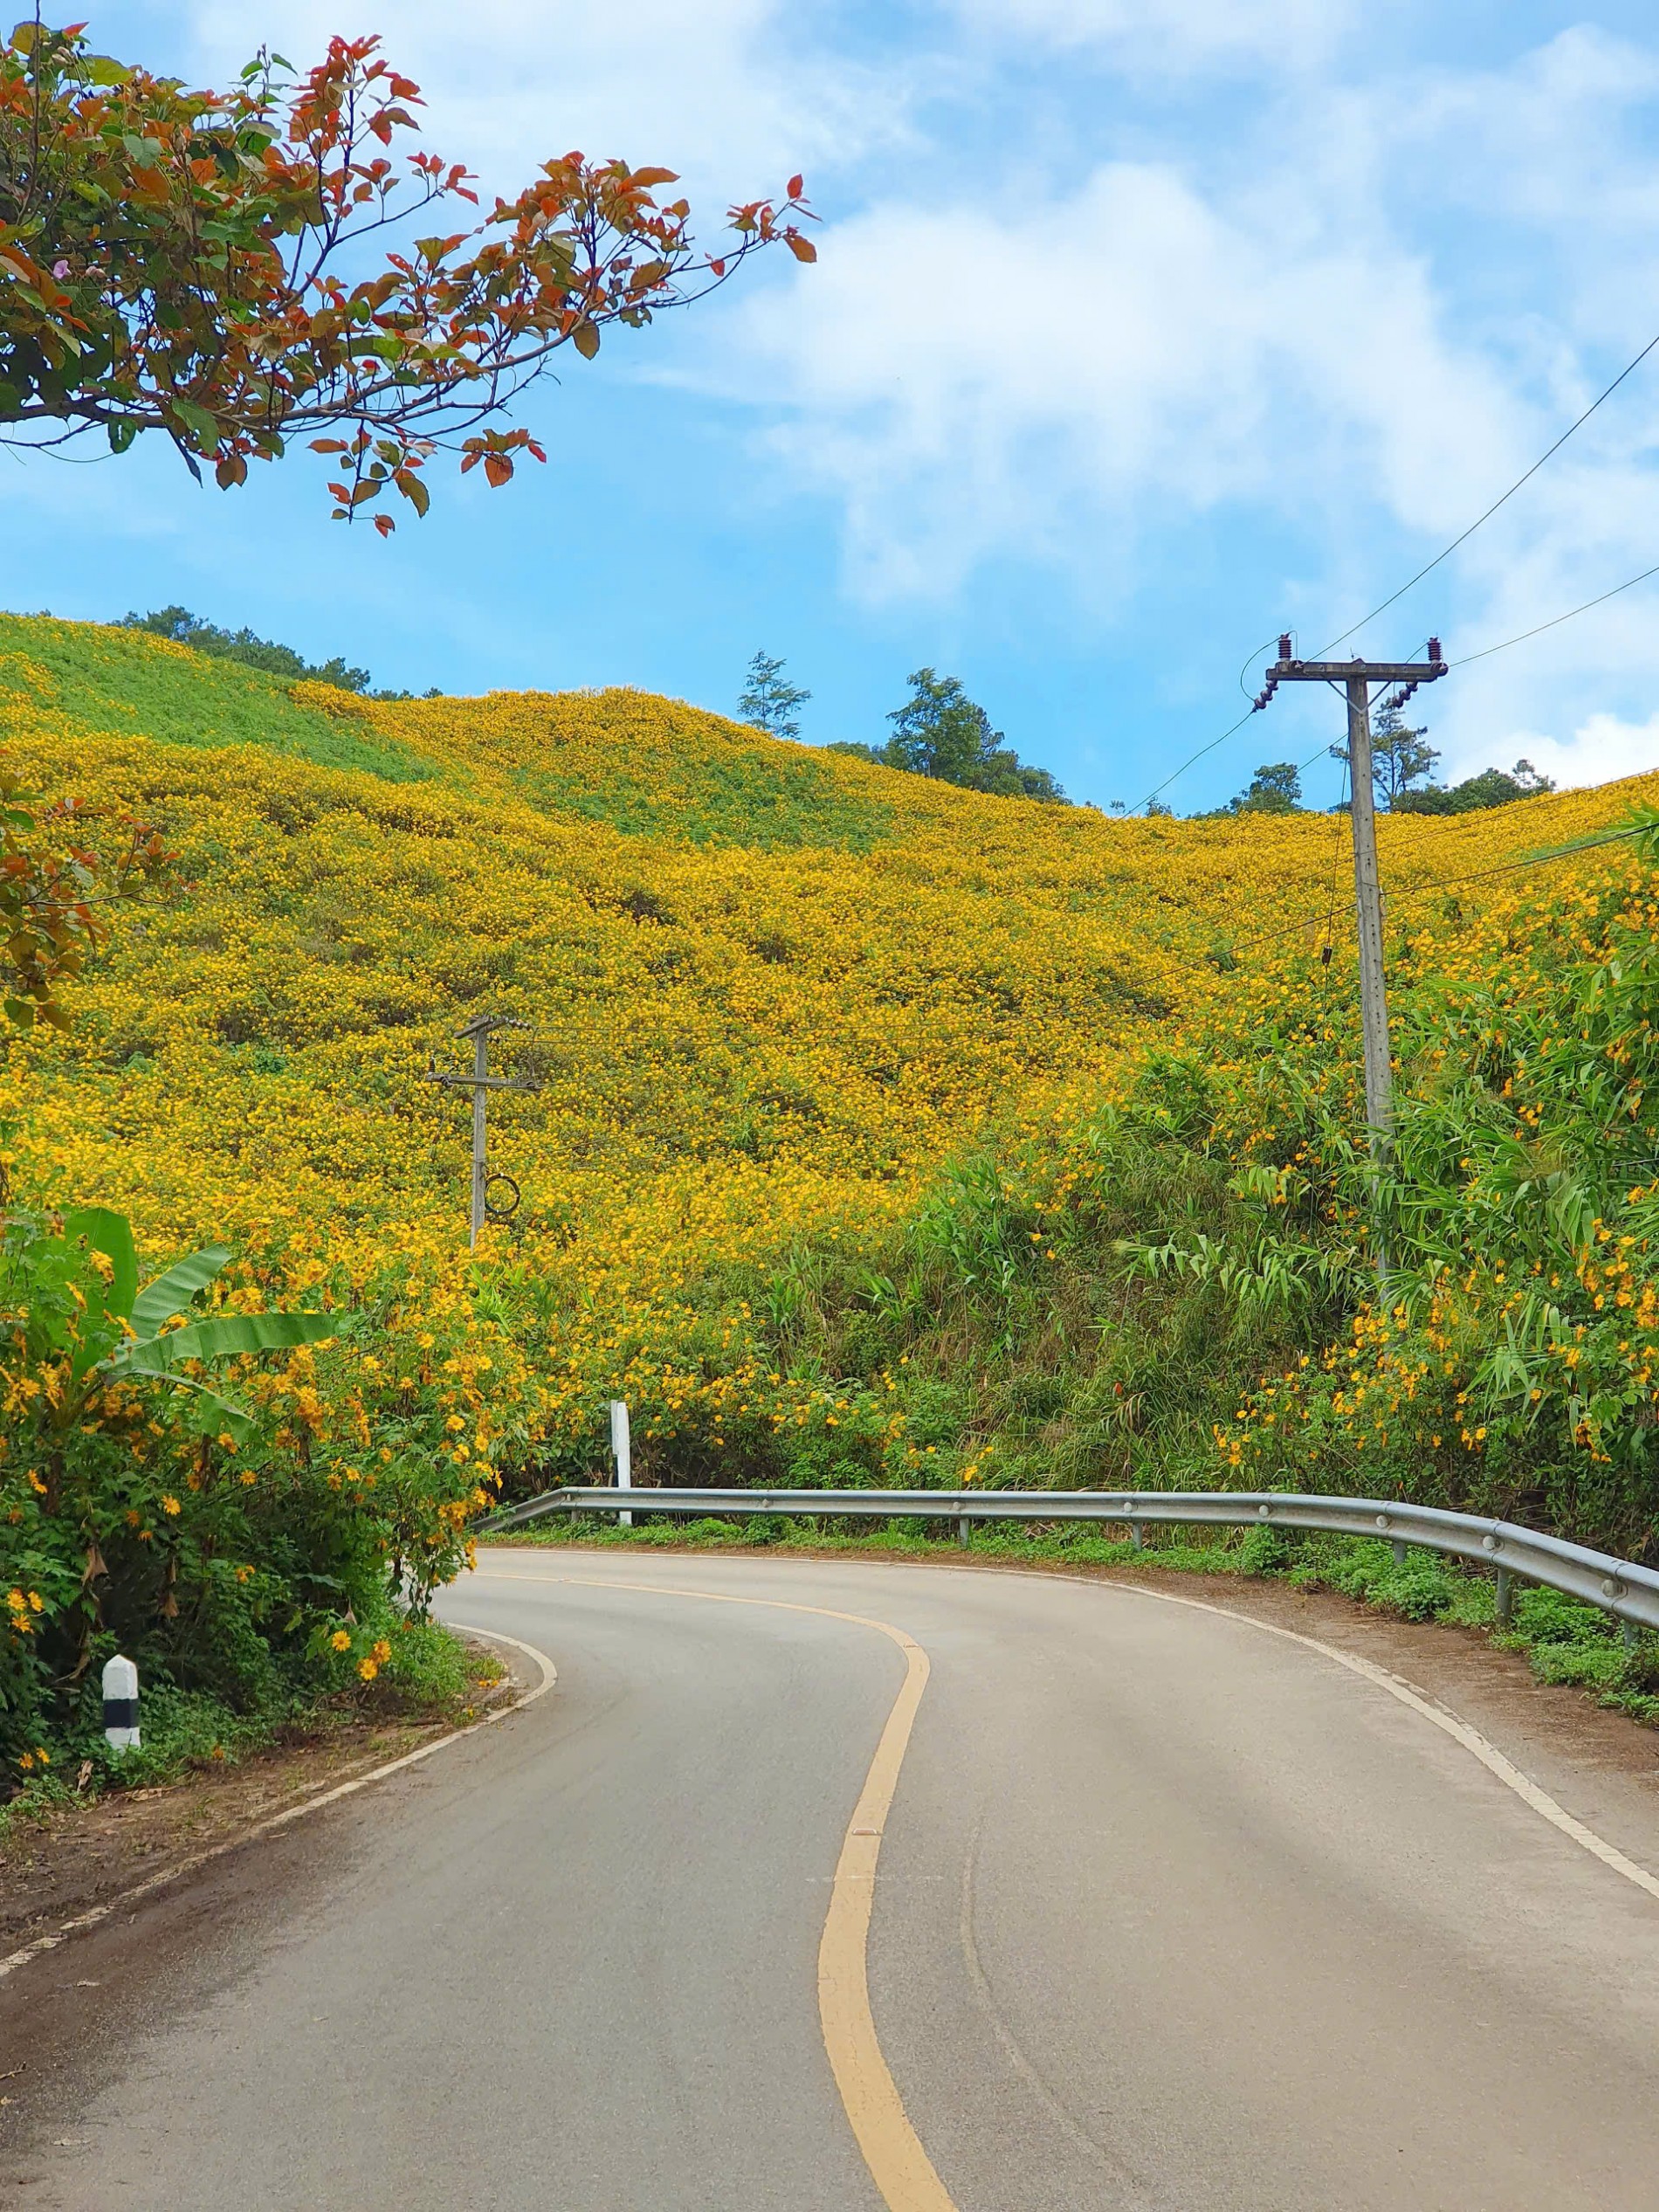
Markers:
(481, 1083)
(1356, 678)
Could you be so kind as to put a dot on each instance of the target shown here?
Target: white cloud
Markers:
(736, 94)
(1600, 749)
(1181, 33)
(973, 383)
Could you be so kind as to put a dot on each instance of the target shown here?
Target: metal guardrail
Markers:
(1618, 1586)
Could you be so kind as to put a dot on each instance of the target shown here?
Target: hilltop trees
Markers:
(940, 732)
(195, 263)
(184, 629)
(1492, 787)
(1399, 758)
(769, 699)
(1275, 788)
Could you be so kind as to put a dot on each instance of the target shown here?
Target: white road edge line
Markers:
(42, 1944)
(1450, 1723)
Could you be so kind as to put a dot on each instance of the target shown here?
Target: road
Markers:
(1174, 1913)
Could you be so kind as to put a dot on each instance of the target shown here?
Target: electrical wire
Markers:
(1486, 652)
(1176, 773)
(1452, 883)
(1465, 535)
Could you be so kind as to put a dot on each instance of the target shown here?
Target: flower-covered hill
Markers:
(773, 984)
(882, 1133)
(767, 992)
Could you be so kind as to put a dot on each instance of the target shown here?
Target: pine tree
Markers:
(769, 701)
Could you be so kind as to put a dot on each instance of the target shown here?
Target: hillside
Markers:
(884, 1134)
(770, 992)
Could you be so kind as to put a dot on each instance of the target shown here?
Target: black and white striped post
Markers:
(120, 1705)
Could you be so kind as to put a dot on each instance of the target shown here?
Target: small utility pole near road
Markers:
(1357, 676)
(481, 1083)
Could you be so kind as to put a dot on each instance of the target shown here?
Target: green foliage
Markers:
(184, 628)
(115, 680)
(1275, 788)
(1398, 760)
(1492, 787)
(220, 1542)
(940, 732)
(769, 701)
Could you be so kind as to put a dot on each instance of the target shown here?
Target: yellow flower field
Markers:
(767, 990)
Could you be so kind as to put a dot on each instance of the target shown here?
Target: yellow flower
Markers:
(382, 1652)
(169, 1504)
(340, 1641)
(369, 1669)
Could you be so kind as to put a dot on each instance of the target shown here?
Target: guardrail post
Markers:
(1399, 1547)
(965, 1532)
(1505, 1596)
(1135, 1537)
(622, 1449)
(1630, 1633)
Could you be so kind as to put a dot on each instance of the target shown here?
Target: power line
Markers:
(1555, 620)
(1176, 775)
(1464, 535)
(1451, 883)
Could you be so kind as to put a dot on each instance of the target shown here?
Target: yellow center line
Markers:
(901, 2169)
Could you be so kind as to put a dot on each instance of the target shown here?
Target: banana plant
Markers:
(134, 1338)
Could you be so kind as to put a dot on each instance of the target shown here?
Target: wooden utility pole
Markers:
(1356, 678)
(481, 1083)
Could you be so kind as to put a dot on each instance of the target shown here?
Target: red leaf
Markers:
(496, 467)
(798, 185)
(384, 524)
(802, 248)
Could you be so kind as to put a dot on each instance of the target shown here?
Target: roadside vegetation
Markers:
(887, 1132)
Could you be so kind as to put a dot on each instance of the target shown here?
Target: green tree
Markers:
(940, 732)
(1399, 758)
(184, 628)
(1275, 788)
(769, 699)
(1492, 787)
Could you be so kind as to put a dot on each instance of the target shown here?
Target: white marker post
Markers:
(120, 1705)
(621, 1452)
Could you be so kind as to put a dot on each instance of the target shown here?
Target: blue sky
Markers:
(1141, 329)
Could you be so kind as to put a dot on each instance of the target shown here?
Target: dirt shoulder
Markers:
(75, 1856)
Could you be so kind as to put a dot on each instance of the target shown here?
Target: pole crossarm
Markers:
(1289, 670)
(1342, 671)
(479, 1082)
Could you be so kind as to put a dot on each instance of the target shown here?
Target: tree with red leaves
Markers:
(194, 262)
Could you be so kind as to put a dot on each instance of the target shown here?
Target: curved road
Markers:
(1173, 1914)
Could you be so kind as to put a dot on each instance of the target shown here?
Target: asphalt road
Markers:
(1172, 1912)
